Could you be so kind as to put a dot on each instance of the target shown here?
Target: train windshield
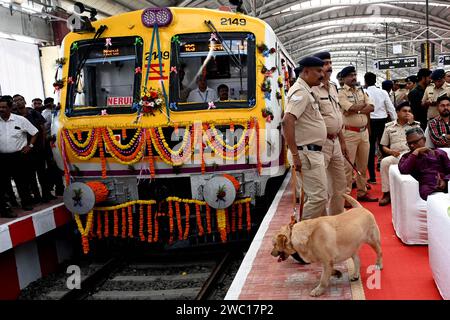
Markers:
(213, 70)
(102, 76)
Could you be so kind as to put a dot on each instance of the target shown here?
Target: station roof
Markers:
(350, 29)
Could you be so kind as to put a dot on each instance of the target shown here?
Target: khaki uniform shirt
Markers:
(432, 94)
(309, 127)
(329, 107)
(400, 96)
(394, 136)
(349, 96)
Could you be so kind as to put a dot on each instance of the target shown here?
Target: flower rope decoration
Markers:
(168, 155)
(85, 231)
(86, 149)
(120, 152)
(221, 224)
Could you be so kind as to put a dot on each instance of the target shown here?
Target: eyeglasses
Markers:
(410, 143)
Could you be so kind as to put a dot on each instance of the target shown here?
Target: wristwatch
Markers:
(31, 145)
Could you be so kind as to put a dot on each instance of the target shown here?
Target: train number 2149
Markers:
(235, 21)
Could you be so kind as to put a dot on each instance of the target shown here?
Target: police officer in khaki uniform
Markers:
(434, 91)
(401, 94)
(305, 133)
(335, 144)
(356, 107)
(394, 145)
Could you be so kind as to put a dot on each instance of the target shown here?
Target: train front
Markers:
(169, 124)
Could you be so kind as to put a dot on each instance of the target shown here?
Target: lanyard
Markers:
(201, 96)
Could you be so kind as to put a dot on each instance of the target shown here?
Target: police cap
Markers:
(438, 74)
(323, 55)
(347, 70)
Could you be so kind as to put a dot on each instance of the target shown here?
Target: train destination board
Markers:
(443, 60)
(397, 63)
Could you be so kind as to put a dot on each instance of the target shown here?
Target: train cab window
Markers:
(219, 71)
(103, 77)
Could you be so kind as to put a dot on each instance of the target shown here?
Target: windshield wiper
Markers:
(233, 57)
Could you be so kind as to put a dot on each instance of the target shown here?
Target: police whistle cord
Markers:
(294, 197)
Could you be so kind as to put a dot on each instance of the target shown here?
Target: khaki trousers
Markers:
(314, 183)
(384, 170)
(358, 152)
(337, 183)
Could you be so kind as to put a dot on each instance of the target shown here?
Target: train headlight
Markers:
(160, 16)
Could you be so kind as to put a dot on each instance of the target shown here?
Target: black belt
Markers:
(310, 147)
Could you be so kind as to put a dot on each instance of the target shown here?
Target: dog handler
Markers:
(305, 133)
(334, 146)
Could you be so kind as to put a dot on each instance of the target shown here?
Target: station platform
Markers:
(261, 277)
(30, 247)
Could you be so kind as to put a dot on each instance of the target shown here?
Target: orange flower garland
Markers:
(227, 218)
(149, 223)
(124, 222)
(85, 231)
(112, 146)
(150, 154)
(235, 182)
(240, 211)
(178, 213)
(79, 136)
(102, 153)
(188, 213)
(233, 218)
(141, 222)
(199, 220)
(116, 223)
(124, 133)
(100, 190)
(221, 224)
(155, 239)
(106, 232)
(130, 221)
(208, 219)
(249, 222)
(170, 222)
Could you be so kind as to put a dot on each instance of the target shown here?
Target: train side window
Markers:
(205, 64)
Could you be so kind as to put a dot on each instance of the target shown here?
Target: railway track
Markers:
(164, 277)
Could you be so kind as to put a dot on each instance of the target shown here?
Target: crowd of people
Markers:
(335, 135)
(25, 154)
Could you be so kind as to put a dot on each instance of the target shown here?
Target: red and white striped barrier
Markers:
(26, 253)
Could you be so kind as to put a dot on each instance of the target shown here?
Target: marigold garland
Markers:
(170, 222)
(149, 223)
(124, 133)
(178, 213)
(208, 219)
(141, 223)
(100, 190)
(249, 222)
(79, 136)
(227, 219)
(124, 223)
(85, 231)
(240, 211)
(221, 224)
(151, 165)
(116, 223)
(106, 232)
(188, 213)
(233, 218)
(130, 221)
(155, 239)
(258, 156)
(201, 232)
(102, 155)
(133, 155)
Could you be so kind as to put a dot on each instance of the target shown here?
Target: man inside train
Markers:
(203, 93)
(222, 91)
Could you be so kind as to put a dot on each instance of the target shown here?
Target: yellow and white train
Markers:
(172, 103)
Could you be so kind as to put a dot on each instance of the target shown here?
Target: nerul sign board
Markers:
(397, 63)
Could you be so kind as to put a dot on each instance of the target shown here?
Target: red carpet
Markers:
(406, 274)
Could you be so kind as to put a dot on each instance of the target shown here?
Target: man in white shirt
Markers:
(13, 148)
(378, 118)
(202, 94)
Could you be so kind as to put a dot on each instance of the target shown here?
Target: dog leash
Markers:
(294, 198)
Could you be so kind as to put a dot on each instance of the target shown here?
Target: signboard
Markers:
(397, 63)
(120, 101)
(443, 60)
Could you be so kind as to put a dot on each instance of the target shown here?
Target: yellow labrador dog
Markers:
(329, 240)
